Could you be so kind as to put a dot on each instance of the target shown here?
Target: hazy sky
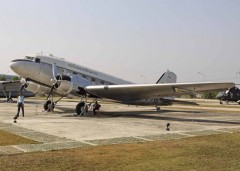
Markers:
(128, 38)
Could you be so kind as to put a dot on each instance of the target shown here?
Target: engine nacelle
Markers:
(36, 88)
(70, 84)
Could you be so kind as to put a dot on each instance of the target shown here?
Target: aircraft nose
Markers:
(18, 66)
(15, 66)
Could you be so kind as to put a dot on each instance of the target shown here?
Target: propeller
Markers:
(56, 82)
(23, 87)
(54, 72)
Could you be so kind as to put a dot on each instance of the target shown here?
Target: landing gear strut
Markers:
(49, 104)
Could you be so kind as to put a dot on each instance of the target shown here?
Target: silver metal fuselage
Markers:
(38, 69)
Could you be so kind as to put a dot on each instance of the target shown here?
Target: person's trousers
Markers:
(20, 105)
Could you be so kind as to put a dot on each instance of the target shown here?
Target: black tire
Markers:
(47, 105)
(79, 107)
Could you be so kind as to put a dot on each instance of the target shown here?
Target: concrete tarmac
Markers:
(116, 123)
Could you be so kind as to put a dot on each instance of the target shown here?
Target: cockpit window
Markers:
(37, 60)
(30, 58)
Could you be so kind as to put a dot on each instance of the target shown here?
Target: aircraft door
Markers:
(38, 61)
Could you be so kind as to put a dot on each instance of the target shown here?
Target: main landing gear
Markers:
(158, 108)
(82, 108)
(49, 105)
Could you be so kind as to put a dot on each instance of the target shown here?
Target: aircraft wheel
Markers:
(81, 107)
(239, 102)
(220, 102)
(48, 106)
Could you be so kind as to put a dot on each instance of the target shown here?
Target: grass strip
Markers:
(7, 138)
(214, 152)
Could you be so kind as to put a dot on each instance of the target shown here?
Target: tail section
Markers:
(167, 77)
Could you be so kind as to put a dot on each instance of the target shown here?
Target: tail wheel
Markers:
(48, 106)
(81, 108)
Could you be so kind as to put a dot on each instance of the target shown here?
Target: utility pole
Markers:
(145, 78)
(202, 75)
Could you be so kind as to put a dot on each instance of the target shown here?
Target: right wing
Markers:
(133, 92)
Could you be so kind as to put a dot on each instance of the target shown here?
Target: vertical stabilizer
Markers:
(167, 77)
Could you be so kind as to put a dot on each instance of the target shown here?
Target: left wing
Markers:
(133, 92)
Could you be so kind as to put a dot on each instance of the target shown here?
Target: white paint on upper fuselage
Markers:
(42, 71)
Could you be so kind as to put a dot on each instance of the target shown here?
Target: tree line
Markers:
(4, 78)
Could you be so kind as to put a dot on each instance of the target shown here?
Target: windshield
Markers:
(30, 58)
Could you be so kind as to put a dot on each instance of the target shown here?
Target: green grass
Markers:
(7, 138)
(215, 152)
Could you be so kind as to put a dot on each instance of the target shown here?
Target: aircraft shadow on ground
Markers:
(143, 115)
(151, 115)
(121, 113)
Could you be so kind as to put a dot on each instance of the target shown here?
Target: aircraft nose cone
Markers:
(15, 66)
(18, 66)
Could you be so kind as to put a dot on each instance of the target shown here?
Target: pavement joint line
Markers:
(57, 142)
(88, 143)
(189, 135)
(224, 131)
(19, 148)
(141, 138)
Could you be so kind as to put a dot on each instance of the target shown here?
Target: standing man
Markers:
(20, 104)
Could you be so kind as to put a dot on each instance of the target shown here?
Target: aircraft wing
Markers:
(133, 92)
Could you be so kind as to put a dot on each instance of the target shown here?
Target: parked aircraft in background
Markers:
(230, 95)
(10, 89)
(52, 75)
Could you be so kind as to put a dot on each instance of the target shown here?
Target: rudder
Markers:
(167, 77)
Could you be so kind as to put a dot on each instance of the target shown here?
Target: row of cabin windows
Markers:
(94, 80)
(63, 71)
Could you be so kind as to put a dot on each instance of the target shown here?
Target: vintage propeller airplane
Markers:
(52, 75)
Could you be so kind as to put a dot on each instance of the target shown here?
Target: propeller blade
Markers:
(22, 87)
(54, 71)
